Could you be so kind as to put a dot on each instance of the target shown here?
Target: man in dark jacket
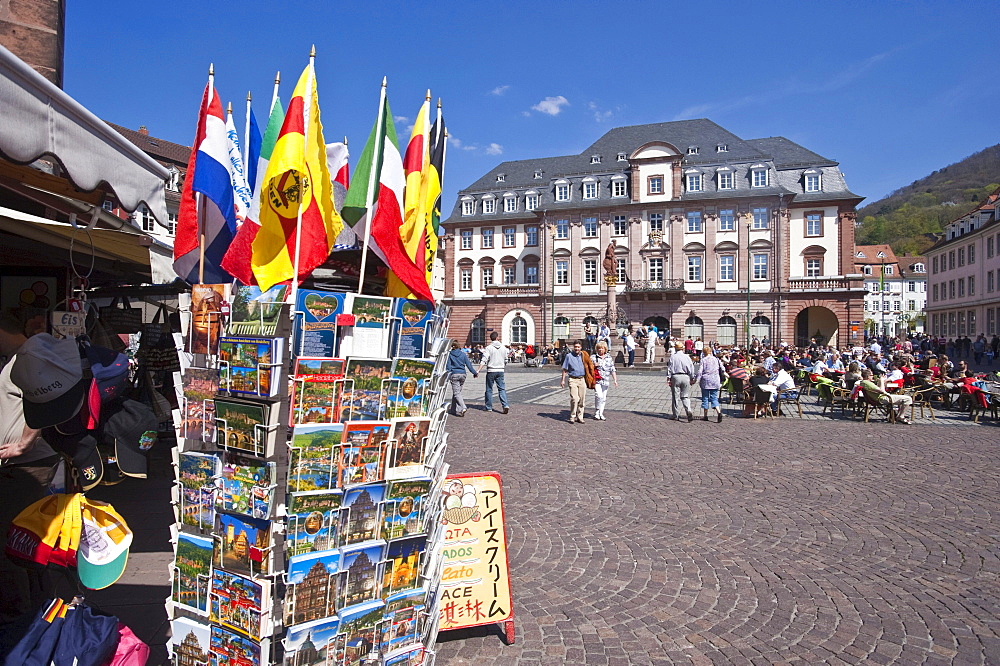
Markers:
(458, 362)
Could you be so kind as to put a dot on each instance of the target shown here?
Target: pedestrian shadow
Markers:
(555, 416)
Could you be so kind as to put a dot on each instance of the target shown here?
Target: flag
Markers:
(253, 149)
(237, 176)
(296, 185)
(237, 258)
(337, 158)
(383, 207)
(439, 137)
(215, 217)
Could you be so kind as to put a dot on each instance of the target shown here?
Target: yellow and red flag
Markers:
(297, 181)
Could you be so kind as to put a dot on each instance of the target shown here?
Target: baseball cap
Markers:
(46, 531)
(131, 430)
(49, 373)
(104, 542)
(110, 370)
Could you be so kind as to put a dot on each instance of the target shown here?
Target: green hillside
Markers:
(906, 218)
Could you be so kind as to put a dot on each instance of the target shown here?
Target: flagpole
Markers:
(444, 148)
(306, 108)
(200, 196)
(246, 140)
(379, 148)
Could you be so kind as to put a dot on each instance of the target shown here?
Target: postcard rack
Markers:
(309, 485)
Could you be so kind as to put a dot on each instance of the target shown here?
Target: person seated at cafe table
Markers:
(894, 378)
(899, 402)
(924, 383)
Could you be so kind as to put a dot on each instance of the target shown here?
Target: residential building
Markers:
(715, 237)
(965, 274)
(896, 290)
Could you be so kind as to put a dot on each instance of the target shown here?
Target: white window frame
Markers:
(487, 275)
(814, 267)
(694, 222)
(510, 204)
(468, 207)
(531, 236)
(487, 235)
(465, 239)
(694, 268)
(510, 275)
(655, 185)
(562, 272)
(590, 189)
(171, 224)
(509, 236)
(531, 273)
(760, 266)
(694, 182)
(465, 276)
(813, 182)
(146, 221)
(759, 177)
(489, 206)
(530, 201)
(727, 180)
(656, 222)
(619, 225)
(654, 269)
(727, 268)
(590, 227)
(727, 220)
(619, 187)
(760, 219)
(562, 229)
(620, 269)
(814, 225)
(590, 271)
(562, 192)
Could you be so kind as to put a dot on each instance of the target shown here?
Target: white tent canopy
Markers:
(40, 119)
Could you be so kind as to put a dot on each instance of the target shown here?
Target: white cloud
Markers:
(551, 105)
(494, 149)
(600, 115)
(400, 119)
(457, 143)
(499, 90)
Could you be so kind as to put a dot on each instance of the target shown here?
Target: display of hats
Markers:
(110, 371)
(47, 531)
(104, 544)
(49, 373)
(131, 432)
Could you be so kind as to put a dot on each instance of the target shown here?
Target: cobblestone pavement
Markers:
(640, 540)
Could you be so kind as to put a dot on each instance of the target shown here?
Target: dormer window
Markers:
(758, 175)
(722, 148)
(692, 150)
(509, 203)
(468, 206)
(867, 270)
(531, 200)
(694, 182)
(622, 157)
(919, 268)
(619, 186)
(489, 204)
(590, 188)
(813, 180)
(501, 177)
(562, 191)
(595, 159)
(538, 173)
(726, 178)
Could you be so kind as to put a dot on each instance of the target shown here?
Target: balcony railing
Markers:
(512, 290)
(825, 283)
(654, 285)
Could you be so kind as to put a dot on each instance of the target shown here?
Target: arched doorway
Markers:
(694, 328)
(518, 328)
(816, 322)
(560, 329)
(725, 331)
(760, 328)
(477, 334)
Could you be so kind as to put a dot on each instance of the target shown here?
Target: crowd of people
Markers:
(884, 370)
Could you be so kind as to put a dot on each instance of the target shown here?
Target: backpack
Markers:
(130, 651)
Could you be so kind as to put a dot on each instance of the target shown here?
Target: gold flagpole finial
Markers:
(312, 51)
(249, 96)
(229, 108)
(428, 98)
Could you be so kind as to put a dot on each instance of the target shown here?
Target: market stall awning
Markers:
(39, 119)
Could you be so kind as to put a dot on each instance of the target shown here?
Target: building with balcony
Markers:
(896, 290)
(714, 237)
(965, 274)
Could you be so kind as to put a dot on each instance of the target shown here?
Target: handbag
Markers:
(124, 319)
(157, 348)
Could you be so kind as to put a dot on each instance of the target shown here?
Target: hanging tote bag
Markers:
(124, 319)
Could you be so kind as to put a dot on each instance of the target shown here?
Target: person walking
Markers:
(577, 366)
(458, 361)
(494, 358)
(709, 378)
(680, 370)
(629, 343)
(604, 374)
(651, 344)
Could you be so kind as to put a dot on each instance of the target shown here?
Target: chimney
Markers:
(143, 131)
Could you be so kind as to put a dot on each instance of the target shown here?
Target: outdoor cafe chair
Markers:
(792, 397)
(921, 399)
(879, 403)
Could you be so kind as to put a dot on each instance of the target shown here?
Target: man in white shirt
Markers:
(494, 360)
(875, 347)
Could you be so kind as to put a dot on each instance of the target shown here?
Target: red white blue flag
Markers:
(208, 174)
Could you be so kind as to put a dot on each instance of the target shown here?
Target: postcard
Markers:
(314, 455)
(361, 455)
(255, 312)
(207, 301)
(313, 521)
(361, 519)
(404, 616)
(404, 513)
(316, 322)
(250, 366)
(189, 641)
(229, 648)
(316, 640)
(243, 544)
(411, 338)
(197, 474)
(238, 602)
(200, 386)
(359, 632)
(408, 394)
(365, 393)
(407, 448)
(241, 425)
(403, 564)
(408, 656)
(192, 572)
(370, 333)
(313, 590)
(246, 486)
(316, 389)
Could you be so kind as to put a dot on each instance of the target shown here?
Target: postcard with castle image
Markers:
(404, 616)
(358, 632)
(362, 453)
(250, 366)
(404, 558)
(313, 521)
(197, 474)
(407, 447)
(192, 572)
(403, 511)
(316, 389)
(407, 656)
(255, 312)
(316, 322)
(241, 425)
(189, 641)
(246, 486)
(408, 394)
(313, 643)
(360, 569)
(200, 387)
(312, 587)
(366, 389)
(229, 648)
(238, 602)
(207, 302)
(313, 456)
(361, 519)
(243, 544)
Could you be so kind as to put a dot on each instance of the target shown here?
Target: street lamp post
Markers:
(552, 307)
(881, 289)
(749, 276)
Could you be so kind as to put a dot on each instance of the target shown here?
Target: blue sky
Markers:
(891, 90)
